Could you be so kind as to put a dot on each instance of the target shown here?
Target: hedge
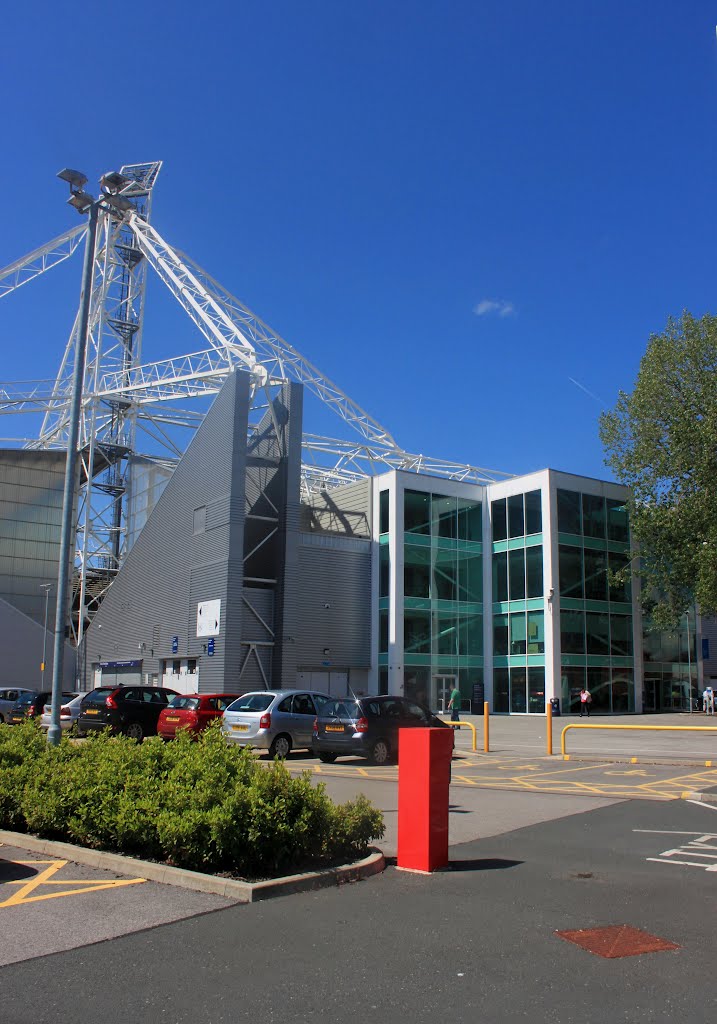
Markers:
(200, 804)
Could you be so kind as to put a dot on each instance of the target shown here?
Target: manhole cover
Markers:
(617, 940)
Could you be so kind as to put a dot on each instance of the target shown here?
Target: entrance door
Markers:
(441, 691)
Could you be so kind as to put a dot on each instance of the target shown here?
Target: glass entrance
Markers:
(441, 691)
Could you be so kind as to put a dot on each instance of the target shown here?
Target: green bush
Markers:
(200, 804)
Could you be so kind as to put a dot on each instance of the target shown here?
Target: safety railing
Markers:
(466, 725)
(635, 728)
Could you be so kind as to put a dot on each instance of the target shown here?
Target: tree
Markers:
(661, 441)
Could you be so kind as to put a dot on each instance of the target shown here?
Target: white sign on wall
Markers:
(208, 618)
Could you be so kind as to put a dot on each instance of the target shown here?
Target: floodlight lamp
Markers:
(75, 179)
(81, 201)
(114, 181)
(118, 203)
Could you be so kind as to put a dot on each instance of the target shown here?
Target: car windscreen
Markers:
(341, 709)
(185, 703)
(252, 702)
(98, 696)
(25, 700)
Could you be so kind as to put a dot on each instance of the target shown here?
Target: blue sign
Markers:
(705, 648)
(210, 647)
(175, 644)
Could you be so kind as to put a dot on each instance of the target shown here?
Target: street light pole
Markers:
(47, 587)
(689, 661)
(68, 498)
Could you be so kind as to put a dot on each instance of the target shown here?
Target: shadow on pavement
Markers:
(471, 864)
(11, 871)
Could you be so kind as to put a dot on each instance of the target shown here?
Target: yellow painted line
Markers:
(45, 878)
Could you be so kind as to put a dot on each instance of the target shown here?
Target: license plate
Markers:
(92, 711)
(240, 728)
(334, 728)
(172, 718)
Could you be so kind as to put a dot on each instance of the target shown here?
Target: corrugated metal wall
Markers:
(345, 510)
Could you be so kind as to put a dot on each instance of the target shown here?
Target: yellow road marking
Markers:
(45, 878)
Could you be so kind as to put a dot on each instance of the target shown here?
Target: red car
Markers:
(192, 711)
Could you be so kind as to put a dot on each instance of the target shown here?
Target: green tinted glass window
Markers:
(516, 574)
(572, 632)
(595, 575)
(599, 686)
(383, 511)
(516, 516)
(597, 633)
(569, 512)
(416, 571)
(445, 632)
(518, 687)
(572, 682)
(517, 633)
(623, 691)
(618, 563)
(416, 512)
(501, 689)
(570, 563)
(593, 516)
(533, 514)
(383, 681)
(445, 575)
(500, 634)
(498, 519)
(470, 577)
(470, 520)
(617, 523)
(445, 522)
(621, 635)
(536, 633)
(500, 576)
(383, 631)
(384, 567)
(536, 690)
(534, 570)
(470, 635)
(417, 632)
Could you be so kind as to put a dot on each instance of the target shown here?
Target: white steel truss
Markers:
(123, 395)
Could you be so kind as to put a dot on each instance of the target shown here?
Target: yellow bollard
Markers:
(549, 726)
(486, 727)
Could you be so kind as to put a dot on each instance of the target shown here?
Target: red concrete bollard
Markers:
(424, 760)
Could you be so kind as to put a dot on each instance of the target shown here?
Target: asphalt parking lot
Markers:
(51, 905)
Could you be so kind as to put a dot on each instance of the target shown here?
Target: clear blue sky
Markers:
(470, 215)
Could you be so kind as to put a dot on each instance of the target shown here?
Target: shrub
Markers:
(200, 804)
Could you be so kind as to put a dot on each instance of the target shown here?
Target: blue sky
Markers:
(470, 215)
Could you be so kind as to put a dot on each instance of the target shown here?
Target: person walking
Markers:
(708, 700)
(454, 704)
(585, 701)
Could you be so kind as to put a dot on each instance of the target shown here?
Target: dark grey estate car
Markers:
(368, 727)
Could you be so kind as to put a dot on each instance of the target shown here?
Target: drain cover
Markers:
(617, 940)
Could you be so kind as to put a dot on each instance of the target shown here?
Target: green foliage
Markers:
(661, 441)
(203, 805)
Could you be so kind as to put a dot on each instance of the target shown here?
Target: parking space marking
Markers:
(23, 895)
(694, 847)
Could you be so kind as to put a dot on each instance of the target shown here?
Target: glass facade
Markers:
(518, 613)
(596, 624)
(442, 597)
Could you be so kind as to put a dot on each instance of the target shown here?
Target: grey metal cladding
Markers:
(170, 569)
(345, 510)
(335, 605)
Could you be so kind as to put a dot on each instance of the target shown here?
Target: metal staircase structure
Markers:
(125, 396)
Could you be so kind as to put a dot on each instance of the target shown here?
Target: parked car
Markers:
(69, 713)
(273, 720)
(132, 710)
(8, 696)
(193, 712)
(30, 705)
(367, 727)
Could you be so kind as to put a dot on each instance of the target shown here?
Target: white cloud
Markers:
(498, 306)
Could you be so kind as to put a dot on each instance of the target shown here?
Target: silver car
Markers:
(8, 696)
(273, 720)
(69, 713)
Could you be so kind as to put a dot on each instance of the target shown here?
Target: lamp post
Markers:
(689, 662)
(47, 587)
(84, 203)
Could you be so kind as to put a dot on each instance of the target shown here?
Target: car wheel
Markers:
(381, 752)
(134, 731)
(327, 757)
(280, 747)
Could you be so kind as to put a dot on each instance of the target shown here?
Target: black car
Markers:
(132, 710)
(30, 705)
(367, 727)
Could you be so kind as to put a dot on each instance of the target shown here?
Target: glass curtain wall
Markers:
(443, 598)
(595, 616)
(518, 609)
